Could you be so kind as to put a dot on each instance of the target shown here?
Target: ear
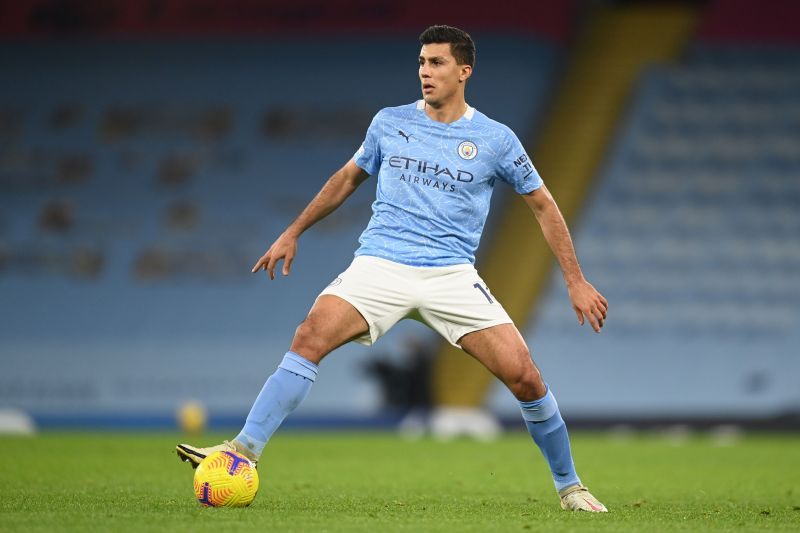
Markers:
(466, 72)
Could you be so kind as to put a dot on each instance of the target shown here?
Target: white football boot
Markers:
(578, 498)
(194, 454)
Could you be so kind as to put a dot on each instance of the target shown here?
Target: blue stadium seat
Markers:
(200, 153)
(693, 234)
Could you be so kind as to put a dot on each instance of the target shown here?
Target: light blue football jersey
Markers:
(435, 181)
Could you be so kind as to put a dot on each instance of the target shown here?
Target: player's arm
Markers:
(332, 195)
(586, 300)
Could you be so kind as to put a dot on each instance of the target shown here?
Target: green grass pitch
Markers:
(379, 482)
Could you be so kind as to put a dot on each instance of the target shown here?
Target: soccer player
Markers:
(436, 162)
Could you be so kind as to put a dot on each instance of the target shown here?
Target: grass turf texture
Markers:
(378, 482)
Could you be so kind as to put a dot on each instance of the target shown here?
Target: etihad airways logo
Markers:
(426, 167)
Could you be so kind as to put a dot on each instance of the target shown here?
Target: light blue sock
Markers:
(550, 433)
(283, 391)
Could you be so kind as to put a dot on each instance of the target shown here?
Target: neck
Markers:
(448, 111)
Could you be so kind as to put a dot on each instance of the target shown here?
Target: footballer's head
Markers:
(445, 63)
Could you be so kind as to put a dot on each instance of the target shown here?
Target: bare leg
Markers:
(331, 323)
(502, 350)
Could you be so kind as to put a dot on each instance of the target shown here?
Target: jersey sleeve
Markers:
(368, 156)
(516, 167)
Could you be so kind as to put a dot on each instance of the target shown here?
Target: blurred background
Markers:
(151, 151)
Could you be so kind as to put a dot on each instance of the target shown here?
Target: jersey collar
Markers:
(468, 114)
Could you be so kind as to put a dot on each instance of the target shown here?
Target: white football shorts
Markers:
(452, 300)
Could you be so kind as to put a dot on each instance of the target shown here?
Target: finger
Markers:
(259, 264)
(601, 311)
(593, 321)
(271, 267)
(580, 315)
(600, 316)
(605, 302)
(287, 264)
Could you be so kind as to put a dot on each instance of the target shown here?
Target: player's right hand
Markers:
(285, 248)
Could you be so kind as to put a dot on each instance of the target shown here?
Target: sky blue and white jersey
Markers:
(435, 181)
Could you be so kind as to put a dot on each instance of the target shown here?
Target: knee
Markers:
(526, 384)
(305, 331)
(308, 341)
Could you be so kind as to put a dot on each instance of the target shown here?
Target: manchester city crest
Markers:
(467, 150)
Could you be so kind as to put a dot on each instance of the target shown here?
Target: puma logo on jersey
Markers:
(405, 136)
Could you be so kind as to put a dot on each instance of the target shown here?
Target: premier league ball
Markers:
(225, 479)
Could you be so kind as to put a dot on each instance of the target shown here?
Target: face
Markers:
(441, 76)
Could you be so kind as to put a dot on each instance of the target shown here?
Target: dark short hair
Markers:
(461, 45)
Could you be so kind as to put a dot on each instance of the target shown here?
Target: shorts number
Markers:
(484, 291)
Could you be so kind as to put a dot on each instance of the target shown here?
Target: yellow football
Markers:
(225, 479)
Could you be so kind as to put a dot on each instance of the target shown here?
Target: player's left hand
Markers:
(588, 302)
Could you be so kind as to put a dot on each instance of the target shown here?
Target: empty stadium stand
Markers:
(692, 234)
(140, 181)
